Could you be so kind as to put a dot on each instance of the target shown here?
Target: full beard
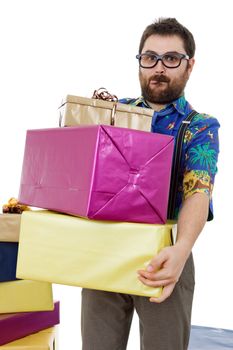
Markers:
(162, 95)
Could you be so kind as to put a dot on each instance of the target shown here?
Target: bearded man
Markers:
(166, 59)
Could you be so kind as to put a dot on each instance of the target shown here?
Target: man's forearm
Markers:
(191, 221)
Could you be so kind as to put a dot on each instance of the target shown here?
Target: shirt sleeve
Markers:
(201, 155)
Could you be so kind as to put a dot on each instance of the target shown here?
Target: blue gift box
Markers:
(8, 259)
(207, 338)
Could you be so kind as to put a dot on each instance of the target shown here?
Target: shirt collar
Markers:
(179, 104)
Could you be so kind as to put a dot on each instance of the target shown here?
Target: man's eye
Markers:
(149, 58)
(170, 58)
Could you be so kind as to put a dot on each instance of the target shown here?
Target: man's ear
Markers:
(191, 63)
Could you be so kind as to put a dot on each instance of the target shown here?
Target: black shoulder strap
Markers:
(176, 164)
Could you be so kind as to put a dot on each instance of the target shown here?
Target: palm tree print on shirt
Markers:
(205, 156)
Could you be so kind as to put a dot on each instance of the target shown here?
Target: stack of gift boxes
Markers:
(103, 191)
(28, 314)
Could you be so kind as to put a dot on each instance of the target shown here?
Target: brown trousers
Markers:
(106, 317)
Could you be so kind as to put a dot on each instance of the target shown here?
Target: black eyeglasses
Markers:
(169, 59)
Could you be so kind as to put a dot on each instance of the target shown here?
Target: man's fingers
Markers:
(154, 284)
(156, 263)
(161, 275)
(167, 291)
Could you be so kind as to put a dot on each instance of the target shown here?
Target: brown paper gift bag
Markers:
(76, 110)
(9, 227)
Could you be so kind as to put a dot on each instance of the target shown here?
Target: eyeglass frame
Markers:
(160, 58)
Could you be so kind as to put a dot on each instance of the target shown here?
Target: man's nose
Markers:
(159, 68)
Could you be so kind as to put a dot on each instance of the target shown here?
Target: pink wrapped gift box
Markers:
(100, 172)
(17, 325)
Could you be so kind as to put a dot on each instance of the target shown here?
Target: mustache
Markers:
(160, 78)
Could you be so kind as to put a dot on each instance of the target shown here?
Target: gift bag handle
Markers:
(103, 94)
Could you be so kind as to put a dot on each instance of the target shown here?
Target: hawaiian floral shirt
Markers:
(200, 148)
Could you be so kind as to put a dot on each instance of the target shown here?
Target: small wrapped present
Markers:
(43, 340)
(17, 325)
(106, 255)
(8, 258)
(24, 295)
(208, 338)
(76, 110)
(100, 172)
(9, 227)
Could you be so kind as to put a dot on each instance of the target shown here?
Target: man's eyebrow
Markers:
(150, 51)
(155, 53)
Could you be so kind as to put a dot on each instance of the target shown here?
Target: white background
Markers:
(50, 49)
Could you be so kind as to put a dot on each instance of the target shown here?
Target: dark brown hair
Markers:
(170, 26)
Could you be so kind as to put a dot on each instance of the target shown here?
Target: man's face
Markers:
(161, 85)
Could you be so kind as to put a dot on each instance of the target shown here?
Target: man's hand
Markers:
(164, 270)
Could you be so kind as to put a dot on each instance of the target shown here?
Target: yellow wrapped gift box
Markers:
(43, 340)
(93, 254)
(24, 295)
(9, 227)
